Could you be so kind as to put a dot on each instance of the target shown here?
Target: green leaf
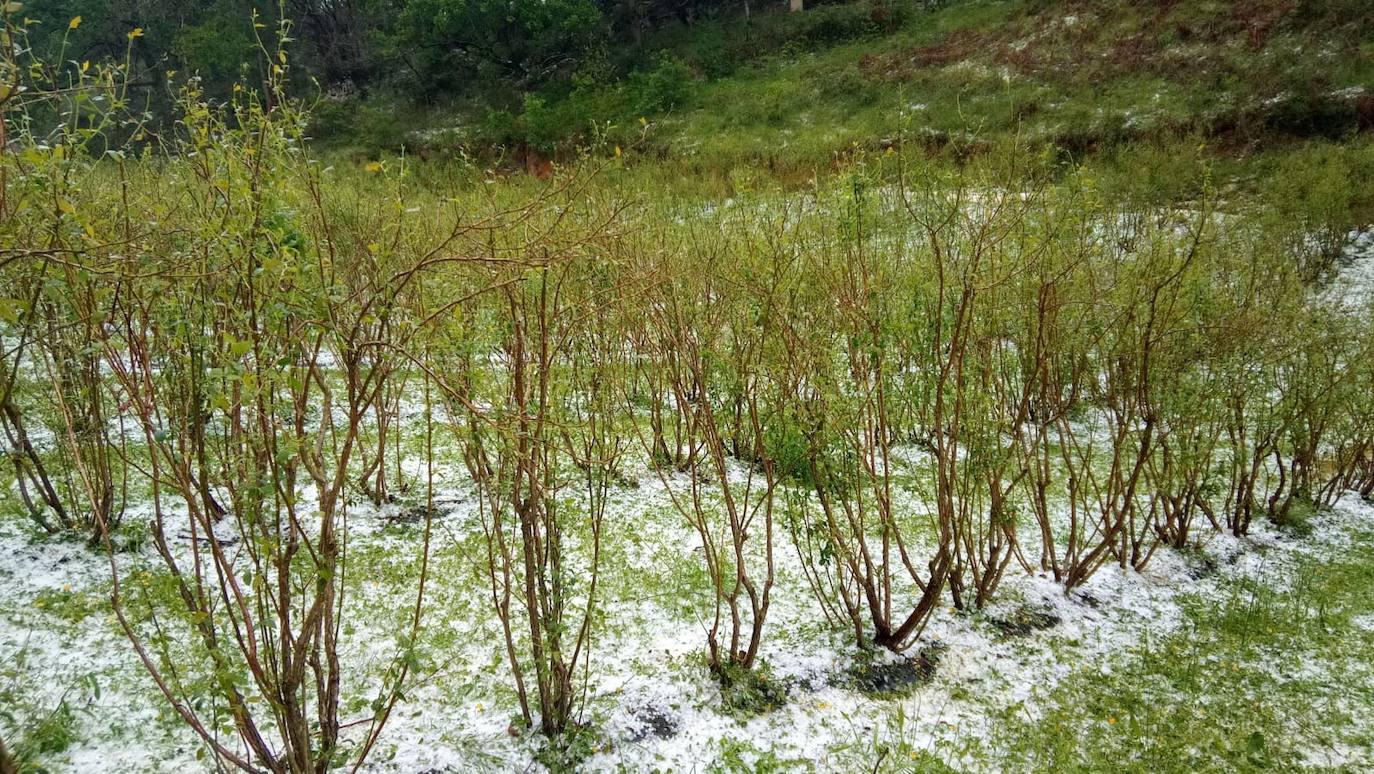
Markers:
(11, 309)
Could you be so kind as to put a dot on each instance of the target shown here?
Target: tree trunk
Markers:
(795, 5)
(7, 764)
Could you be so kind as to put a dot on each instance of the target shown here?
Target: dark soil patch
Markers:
(415, 514)
(894, 678)
(904, 65)
(1024, 620)
(804, 684)
(656, 722)
(1088, 599)
(1202, 566)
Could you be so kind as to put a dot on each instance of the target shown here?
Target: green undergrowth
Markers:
(793, 95)
(1275, 673)
(746, 692)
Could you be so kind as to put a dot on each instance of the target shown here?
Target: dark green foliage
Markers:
(787, 446)
(373, 127)
(540, 125)
(452, 42)
(747, 692)
(566, 752)
(163, 41)
(832, 24)
(36, 732)
(218, 48)
(1085, 78)
(49, 734)
(663, 88)
(1296, 518)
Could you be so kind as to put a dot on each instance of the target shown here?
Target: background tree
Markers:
(453, 44)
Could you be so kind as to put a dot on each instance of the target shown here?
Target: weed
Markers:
(68, 604)
(567, 751)
(745, 692)
(737, 756)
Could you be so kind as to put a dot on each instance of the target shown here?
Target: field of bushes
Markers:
(983, 454)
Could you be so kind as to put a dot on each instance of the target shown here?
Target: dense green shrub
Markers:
(663, 88)
(831, 24)
(452, 42)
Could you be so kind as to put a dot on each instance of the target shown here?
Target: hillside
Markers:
(796, 90)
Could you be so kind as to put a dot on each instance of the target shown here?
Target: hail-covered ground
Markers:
(965, 695)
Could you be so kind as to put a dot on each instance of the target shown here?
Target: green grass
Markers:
(1234, 689)
(791, 95)
(70, 605)
(35, 730)
(1275, 672)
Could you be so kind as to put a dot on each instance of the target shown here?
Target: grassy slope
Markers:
(1246, 683)
(793, 92)
(1079, 74)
